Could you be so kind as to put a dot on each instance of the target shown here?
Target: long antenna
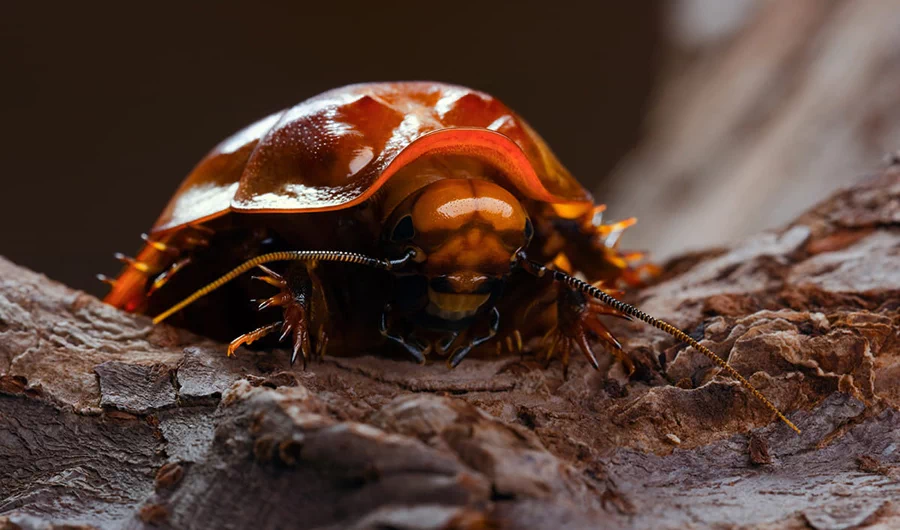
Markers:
(296, 255)
(630, 310)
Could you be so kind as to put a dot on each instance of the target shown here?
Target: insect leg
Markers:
(578, 320)
(300, 299)
(445, 342)
(166, 275)
(251, 337)
(411, 343)
(460, 353)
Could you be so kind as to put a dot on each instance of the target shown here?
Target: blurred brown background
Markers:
(762, 108)
(705, 119)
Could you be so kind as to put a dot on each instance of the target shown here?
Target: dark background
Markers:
(105, 108)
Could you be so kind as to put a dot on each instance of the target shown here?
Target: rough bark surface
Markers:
(109, 422)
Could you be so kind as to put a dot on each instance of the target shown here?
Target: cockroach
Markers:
(420, 216)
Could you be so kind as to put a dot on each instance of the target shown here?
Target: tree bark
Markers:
(107, 421)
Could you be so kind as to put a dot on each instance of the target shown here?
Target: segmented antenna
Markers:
(296, 255)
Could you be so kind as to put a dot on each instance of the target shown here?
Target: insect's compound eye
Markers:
(529, 230)
(403, 230)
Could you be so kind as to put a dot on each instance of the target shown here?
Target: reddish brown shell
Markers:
(335, 150)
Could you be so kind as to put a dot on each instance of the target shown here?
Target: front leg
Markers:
(460, 352)
(411, 343)
(303, 303)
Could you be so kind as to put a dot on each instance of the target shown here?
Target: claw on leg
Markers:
(280, 299)
(411, 344)
(612, 345)
(296, 314)
(295, 297)
(167, 275)
(585, 346)
(272, 278)
(460, 353)
(251, 337)
(444, 344)
(578, 325)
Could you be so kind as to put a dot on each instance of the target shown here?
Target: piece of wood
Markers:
(109, 422)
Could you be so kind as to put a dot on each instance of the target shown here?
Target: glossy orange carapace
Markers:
(337, 149)
(446, 174)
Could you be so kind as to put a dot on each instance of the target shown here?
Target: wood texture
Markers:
(108, 422)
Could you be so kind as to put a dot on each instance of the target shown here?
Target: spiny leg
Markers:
(602, 333)
(289, 324)
(164, 277)
(272, 278)
(596, 308)
(295, 297)
(251, 337)
(142, 266)
(578, 326)
(296, 318)
(160, 246)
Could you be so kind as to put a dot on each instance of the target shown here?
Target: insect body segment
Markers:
(421, 218)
